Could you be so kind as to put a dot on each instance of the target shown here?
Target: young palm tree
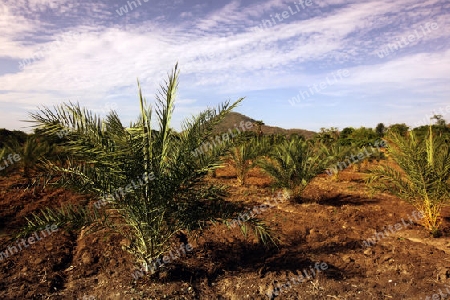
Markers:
(327, 136)
(150, 175)
(422, 177)
(259, 125)
(293, 164)
(31, 154)
(243, 156)
(335, 154)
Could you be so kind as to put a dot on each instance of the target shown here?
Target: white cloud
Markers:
(186, 14)
(220, 51)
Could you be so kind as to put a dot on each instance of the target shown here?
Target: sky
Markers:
(299, 64)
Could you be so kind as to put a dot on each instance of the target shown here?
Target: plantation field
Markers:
(328, 226)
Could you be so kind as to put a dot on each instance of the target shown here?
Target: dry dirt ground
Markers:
(327, 228)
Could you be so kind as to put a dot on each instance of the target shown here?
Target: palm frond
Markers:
(71, 217)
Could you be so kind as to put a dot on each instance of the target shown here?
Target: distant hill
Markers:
(235, 118)
(6, 135)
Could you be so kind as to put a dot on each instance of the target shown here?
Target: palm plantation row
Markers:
(98, 156)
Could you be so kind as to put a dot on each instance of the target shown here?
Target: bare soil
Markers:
(329, 226)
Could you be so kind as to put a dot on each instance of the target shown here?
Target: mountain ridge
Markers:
(233, 119)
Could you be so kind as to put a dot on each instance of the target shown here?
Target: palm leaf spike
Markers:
(430, 149)
(166, 104)
(146, 124)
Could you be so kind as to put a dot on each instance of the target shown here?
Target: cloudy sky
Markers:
(303, 64)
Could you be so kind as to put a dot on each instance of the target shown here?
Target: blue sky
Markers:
(300, 64)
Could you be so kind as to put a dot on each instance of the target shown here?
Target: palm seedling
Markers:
(31, 153)
(243, 156)
(151, 175)
(292, 165)
(335, 154)
(421, 177)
